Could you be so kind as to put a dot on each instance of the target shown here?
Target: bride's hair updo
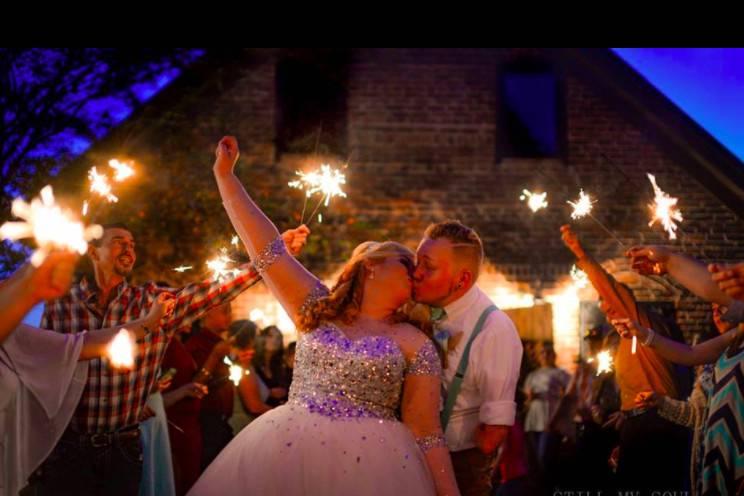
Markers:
(344, 300)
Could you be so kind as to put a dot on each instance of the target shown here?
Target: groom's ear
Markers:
(465, 279)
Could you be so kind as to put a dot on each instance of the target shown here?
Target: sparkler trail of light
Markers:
(582, 207)
(99, 184)
(49, 226)
(579, 277)
(236, 371)
(222, 266)
(326, 181)
(604, 362)
(121, 350)
(183, 268)
(664, 210)
(535, 201)
(123, 170)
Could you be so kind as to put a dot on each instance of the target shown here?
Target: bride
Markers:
(357, 365)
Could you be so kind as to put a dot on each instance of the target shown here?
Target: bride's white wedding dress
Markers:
(339, 433)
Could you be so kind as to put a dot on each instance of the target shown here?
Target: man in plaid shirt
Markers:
(87, 461)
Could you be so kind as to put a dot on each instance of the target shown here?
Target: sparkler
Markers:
(121, 350)
(221, 266)
(236, 371)
(99, 184)
(326, 181)
(604, 362)
(664, 210)
(49, 225)
(579, 277)
(535, 201)
(123, 170)
(582, 207)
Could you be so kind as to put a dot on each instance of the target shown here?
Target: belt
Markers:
(103, 439)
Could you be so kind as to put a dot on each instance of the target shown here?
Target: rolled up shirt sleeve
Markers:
(496, 361)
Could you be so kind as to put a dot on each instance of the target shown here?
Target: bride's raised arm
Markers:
(287, 279)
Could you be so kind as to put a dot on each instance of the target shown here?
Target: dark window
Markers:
(311, 101)
(530, 114)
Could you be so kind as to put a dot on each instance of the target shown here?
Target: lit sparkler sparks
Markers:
(535, 201)
(579, 277)
(582, 207)
(121, 350)
(604, 362)
(183, 268)
(236, 371)
(327, 182)
(664, 210)
(222, 266)
(123, 170)
(49, 225)
(99, 184)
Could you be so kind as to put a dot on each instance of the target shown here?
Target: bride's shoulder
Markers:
(410, 338)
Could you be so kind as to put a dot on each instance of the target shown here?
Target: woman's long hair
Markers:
(345, 297)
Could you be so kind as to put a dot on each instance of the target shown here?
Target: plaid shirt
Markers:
(113, 399)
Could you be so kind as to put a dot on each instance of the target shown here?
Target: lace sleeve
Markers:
(319, 291)
(426, 361)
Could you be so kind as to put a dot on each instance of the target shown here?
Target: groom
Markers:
(483, 350)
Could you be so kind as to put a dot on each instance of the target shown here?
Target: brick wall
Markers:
(422, 127)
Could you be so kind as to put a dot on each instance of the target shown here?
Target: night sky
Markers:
(707, 83)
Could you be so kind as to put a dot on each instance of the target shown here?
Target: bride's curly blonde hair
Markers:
(345, 298)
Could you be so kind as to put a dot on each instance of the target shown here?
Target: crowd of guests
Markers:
(204, 408)
(642, 426)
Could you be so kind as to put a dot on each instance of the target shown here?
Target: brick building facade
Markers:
(433, 134)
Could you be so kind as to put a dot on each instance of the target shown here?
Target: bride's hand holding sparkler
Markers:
(296, 239)
(226, 155)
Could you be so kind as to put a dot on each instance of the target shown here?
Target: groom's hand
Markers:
(488, 438)
(226, 154)
(296, 239)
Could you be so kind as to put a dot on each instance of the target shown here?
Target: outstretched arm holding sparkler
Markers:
(30, 285)
(97, 342)
(684, 354)
(689, 272)
(617, 299)
(288, 280)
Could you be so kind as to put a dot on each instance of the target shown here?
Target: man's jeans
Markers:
(99, 464)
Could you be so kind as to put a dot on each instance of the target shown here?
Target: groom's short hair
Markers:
(464, 239)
